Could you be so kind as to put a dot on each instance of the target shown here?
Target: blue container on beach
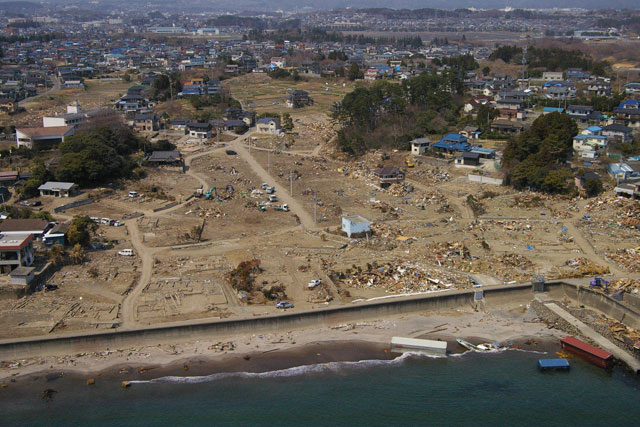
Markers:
(553, 364)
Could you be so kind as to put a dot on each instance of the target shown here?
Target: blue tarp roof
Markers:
(552, 110)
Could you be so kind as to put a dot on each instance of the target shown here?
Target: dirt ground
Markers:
(434, 232)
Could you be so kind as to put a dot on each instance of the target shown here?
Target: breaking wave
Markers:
(319, 368)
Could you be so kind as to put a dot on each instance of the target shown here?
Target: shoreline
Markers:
(345, 342)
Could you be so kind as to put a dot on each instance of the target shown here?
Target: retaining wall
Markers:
(207, 329)
(72, 205)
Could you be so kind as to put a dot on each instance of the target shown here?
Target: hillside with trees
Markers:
(389, 114)
(536, 159)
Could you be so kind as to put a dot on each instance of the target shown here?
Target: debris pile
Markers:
(431, 176)
(629, 259)
(450, 253)
(580, 267)
(402, 279)
(528, 200)
(631, 286)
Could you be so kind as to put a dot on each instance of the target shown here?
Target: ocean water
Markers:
(502, 388)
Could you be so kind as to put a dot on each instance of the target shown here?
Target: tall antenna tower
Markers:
(524, 63)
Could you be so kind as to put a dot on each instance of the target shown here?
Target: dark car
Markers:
(230, 152)
(50, 287)
(284, 304)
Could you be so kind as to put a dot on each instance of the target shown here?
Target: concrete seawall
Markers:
(113, 339)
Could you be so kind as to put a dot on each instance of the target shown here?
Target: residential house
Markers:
(355, 225)
(16, 227)
(165, 158)
(74, 116)
(452, 143)
(468, 159)
(8, 178)
(618, 171)
(278, 62)
(420, 146)
(179, 124)
(548, 76)
(298, 99)
(388, 175)
(632, 88)
(599, 88)
(58, 189)
(628, 113)
(269, 125)
(42, 138)
(57, 235)
(199, 130)
(506, 126)
(372, 74)
(588, 142)
(628, 189)
(579, 113)
(146, 122)
(618, 132)
(471, 132)
(559, 90)
(577, 74)
(16, 250)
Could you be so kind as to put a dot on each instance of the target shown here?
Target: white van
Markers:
(133, 194)
(126, 252)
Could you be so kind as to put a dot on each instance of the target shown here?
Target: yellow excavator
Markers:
(409, 162)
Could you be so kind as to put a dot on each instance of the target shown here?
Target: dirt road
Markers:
(283, 194)
(128, 312)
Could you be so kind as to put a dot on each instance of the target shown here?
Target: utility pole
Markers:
(315, 204)
(524, 63)
(269, 161)
(290, 183)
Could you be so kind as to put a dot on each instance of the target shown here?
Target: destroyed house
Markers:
(389, 175)
(355, 225)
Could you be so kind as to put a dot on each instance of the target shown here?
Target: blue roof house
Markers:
(452, 143)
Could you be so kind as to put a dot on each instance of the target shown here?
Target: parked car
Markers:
(230, 152)
(117, 223)
(126, 252)
(50, 287)
(133, 194)
(284, 304)
(314, 283)
(273, 198)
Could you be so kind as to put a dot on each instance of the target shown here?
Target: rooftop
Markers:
(53, 185)
(23, 225)
(52, 131)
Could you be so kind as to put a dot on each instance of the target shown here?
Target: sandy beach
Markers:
(354, 341)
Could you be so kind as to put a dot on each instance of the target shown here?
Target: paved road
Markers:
(56, 87)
